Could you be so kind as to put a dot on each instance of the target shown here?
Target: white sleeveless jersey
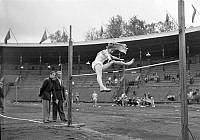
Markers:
(102, 56)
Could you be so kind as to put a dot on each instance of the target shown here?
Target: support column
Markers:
(163, 56)
(70, 56)
(79, 60)
(182, 69)
(188, 57)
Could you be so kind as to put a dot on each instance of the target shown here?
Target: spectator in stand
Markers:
(1, 97)
(94, 98)
(168, 77)
(77, 97)
(191, 80)
(177, 76)
(116, 81)
(110, 80)
(46, 91)
(145, 79)
(156, 77)
(197, 95)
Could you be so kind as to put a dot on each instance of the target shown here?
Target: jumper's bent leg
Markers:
(124, 63)
(99, 69)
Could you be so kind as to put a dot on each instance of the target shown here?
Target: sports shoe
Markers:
(105, 90)
(130, 62)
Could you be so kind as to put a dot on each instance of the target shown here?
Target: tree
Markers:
(150, 28)
(166, 26)
(136, 26)
(101, 33)
(93, 34)
(115, 27)
(58, 36)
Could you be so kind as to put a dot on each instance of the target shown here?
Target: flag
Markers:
(167, 19)
(44, 37)
(7, 37)
(194, 13)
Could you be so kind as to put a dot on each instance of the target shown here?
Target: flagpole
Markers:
(182, 70)
(70, 56)
(172, 17)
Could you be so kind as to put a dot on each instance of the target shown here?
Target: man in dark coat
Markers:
(45, 93)
(58, 98)
(1, 97)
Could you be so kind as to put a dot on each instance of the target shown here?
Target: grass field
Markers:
(23, 121)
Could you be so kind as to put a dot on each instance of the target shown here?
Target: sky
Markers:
(29, 18)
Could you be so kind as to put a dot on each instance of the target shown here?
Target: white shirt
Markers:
(102, 56)
(94, 96)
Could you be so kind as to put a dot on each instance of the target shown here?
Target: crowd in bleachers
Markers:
(31, 79)
(152, 77)
(113, 80)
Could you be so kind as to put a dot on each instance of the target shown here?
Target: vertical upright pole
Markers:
(163, 56)
(70, 56)
(182, 69)
(60, 63)
(188, 58)
(16, 92)
(123, 73)
(140, 59)
(79, 60)
(40, 66)
(1, 63)
(124, 82)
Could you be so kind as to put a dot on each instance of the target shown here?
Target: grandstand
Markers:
(35, 59)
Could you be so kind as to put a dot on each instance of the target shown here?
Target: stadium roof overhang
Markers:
(154, 43)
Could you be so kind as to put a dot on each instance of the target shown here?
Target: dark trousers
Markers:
(58, 107)
(2, 104)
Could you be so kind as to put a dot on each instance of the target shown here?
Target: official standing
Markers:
(46, 91)
(59, 98)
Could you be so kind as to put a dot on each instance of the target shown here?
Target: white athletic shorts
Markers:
(94, 63)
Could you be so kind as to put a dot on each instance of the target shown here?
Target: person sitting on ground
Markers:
(144, 102)
(105, 55)
(123, 98)
(150, 99)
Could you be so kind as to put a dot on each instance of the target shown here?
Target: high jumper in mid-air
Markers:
(106, 55)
